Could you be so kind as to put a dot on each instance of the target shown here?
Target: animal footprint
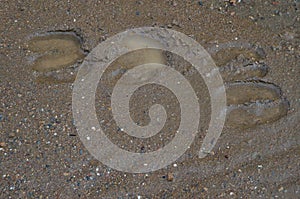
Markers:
(55, 51)
(250, 100)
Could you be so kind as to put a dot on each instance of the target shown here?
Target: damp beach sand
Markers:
(42, 45)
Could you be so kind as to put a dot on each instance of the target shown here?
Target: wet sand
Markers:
(42, 156)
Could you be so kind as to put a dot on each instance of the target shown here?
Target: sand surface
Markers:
(41, 154)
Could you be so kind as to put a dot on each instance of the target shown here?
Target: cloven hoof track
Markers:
(55, 50)
(250, 100)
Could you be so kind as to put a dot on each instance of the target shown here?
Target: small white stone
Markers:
(88, 138)
(175, 165)
(281, 189)
(259, 166)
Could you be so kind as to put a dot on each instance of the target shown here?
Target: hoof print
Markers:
(247, 116)
(254, 103)
(243, 72)
(250, 100)
(55, 50)
(224, 56)
(53, 53)
(247, 92)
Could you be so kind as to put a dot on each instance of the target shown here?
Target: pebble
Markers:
(2, 144)
(170, 176)
(175, 23)
(259, 166)
(11, 135)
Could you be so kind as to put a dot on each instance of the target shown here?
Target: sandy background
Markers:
(41, 155)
